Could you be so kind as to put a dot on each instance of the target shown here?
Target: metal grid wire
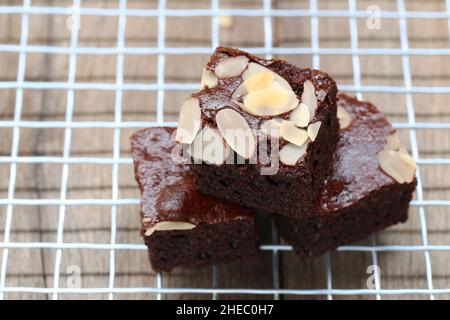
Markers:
(161, 51)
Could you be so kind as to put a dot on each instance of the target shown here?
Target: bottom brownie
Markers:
(202, 246)
(359, 198)
(180, 226)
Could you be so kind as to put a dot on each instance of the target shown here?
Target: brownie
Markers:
(180, 226)
(358, 198)
(294, 183)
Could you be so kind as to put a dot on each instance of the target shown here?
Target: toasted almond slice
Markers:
(209, 79)
(236, 132)
(313, 130)
(290, 132)
(240, 91)
(398, 165)
(231, 67)
(300, 115)
(189, 122)
(146, 220)
(271, 127)
(254, 68)
(208, 146)
(291, 153)
(344, 118)
(309, 97)
(169, 226)
(393, 141)
(259, 81)
(270, 102)
(256, 82)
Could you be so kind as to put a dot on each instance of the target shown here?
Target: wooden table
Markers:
(92, 223)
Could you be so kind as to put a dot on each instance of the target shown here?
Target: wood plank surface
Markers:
(92, 223)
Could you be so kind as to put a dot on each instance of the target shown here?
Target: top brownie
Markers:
(272, 127)
(247, 98)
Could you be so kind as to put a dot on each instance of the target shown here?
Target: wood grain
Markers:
(91, 224)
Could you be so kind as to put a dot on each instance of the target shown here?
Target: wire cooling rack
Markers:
(37, 258)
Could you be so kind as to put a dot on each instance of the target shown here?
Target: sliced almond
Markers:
(271, 127)
(270, 102)
(208, 146)
(398, 165)
(259, 81)
(240, 92)
(344, 118)
(169, 226)
(290, 132)
(291, 153)
(254, 68)
(146, 220)
(236, 132)
(189, 122)
(209, 79)
(309, 97)
(300, 115)
(393, 141)
(313, 130)
(231, 67)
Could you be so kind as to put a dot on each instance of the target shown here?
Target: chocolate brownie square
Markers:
(370, 188)
(261, 133)
(181, 226)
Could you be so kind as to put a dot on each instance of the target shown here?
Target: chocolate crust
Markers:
(358, 198)
(223, 232)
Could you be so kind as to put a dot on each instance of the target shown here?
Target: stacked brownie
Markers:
(369, 189)
(181, 226)
(274, 102)
(267, 135)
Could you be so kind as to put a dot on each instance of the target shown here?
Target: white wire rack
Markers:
(161, 51)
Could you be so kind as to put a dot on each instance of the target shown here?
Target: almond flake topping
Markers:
(231, 67)
(254, 68)
(398, 165)
(271, 127)
(300, 115)
(259, 81)
(208, 146)
(291, 153)
(313, 130)
(309, 98)
(209, 79)
(189, 122)
(270, 102)
(169, 226)
(344, 118)
(393, 141)
(236, 132)
(293, 134)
